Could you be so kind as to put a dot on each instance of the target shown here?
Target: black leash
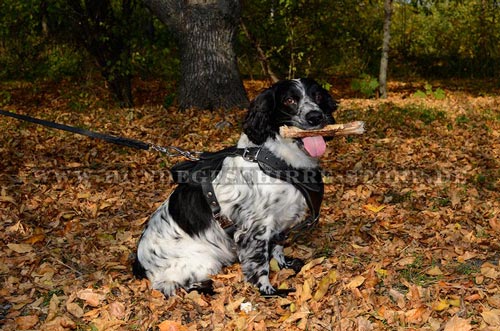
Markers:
(106, 137)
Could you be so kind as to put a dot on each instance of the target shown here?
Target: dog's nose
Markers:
(315, 117)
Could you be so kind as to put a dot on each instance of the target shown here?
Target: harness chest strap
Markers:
(308, 182)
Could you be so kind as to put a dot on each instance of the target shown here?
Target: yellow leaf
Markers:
(441, 305)
(373, 208)
(273, 264)
(324, 284)
(20, 248)
(83, 195)
(356, 282)
(381, 273)
(455, 302)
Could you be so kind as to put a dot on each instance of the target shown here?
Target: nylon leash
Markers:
(137, 144)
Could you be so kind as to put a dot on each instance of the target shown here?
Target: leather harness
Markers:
(203, 171)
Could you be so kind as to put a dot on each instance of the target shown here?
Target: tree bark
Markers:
(205, 31)
(385, 49)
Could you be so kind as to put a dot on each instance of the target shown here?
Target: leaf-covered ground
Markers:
(408, 240)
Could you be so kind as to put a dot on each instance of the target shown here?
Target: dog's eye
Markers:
(289, 101)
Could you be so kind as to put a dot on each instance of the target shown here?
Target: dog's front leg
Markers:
(253, 253)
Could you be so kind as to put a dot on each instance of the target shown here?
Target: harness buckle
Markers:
(249, 156)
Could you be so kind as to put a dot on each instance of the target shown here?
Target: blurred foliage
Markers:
(47, 40)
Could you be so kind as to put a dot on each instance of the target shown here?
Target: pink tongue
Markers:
(315, 146)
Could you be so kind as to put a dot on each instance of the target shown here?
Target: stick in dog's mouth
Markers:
(357, 127)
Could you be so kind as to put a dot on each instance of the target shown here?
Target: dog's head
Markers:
(302, 103)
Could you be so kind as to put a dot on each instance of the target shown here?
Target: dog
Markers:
(183, 244)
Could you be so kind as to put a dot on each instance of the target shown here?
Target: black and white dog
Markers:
(183, 245)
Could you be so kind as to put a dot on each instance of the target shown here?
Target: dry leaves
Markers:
(408, 237)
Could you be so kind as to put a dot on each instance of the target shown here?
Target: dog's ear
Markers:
(258, 124)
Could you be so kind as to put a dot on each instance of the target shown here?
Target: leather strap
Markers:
(308, 181)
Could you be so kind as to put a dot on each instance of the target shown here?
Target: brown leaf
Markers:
(26, 322)
(90, 297)
(117, 310)
(495, 223)
(491, 317)
(356, 282)
(457, 324)
(60, 323)
(398, 297)
(168, 325)
(74, 309)
(20, 248)
(53, 308)
(490, 271)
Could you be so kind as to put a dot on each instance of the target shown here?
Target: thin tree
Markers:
(385, 49)
(205, 31)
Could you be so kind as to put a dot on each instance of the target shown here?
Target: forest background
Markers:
(108, 41)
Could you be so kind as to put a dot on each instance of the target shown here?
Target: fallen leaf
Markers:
(306, 295)
(373, 208)
(60, 323)
(441, 305)
(273, 265)
(489, 270)
(117, 310)
(53, 307)
(398, 297)
(324, 284)
(457, 324)
(20, 248)
(356, 282)
(90, 297)
(494, 300)
(491, 317)
(168, 325)
(311, 264)
(434, 271)
(364, 324)
(26, 322)
(7, 198)
(35, 238)
(495, 224)
(74, 309)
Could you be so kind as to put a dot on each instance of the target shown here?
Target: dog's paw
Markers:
(283, 293)
(294, 264)
(205, 287)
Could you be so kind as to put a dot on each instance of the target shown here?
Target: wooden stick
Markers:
(331, 130)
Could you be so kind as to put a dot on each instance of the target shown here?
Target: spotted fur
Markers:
(182, 246)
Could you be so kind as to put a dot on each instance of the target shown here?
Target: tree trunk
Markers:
(205, 30)
(385, 49)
